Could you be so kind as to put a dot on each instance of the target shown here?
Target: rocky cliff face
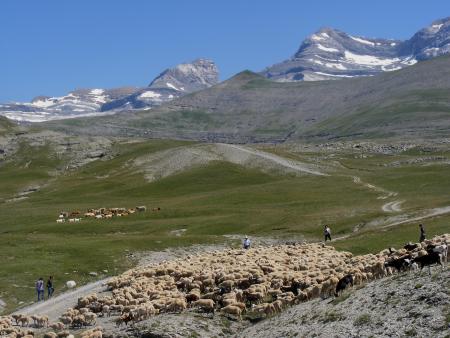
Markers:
(332, 54)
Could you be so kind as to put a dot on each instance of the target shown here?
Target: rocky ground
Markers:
(406, 305)
(400, 306)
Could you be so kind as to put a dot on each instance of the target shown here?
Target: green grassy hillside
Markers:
(207, 202)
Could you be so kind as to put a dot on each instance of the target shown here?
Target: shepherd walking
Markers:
(327, 233)
(422, 233)
(50, 288)
(246, 243)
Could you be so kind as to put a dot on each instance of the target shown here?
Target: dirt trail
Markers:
(400, 219)
(392, 206)
(291, 164)
(384, 193)
(54, 307)
(427, 214)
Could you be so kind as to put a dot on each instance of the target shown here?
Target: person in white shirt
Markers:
(327, 233)
(246, 243)
(40, 289)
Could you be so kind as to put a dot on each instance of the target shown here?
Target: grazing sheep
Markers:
(232, 310)
(24, 320)
(234, 280)
(58, 326)
(206, 305)
(50, 335)
(71, 284)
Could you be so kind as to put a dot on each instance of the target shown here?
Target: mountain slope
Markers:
(332, 54)
(249, 108)
(6, 126)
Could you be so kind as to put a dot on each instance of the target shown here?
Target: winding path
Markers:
(392, 206)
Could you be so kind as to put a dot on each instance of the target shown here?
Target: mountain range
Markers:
(413, 102)
(331, 54)
(328, 54)
(172, 83)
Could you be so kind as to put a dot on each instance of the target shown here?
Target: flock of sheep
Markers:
(22, 323)
(260, 281)
(75, 216)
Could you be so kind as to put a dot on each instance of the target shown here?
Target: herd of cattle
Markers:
(260, 281)
(76, 216)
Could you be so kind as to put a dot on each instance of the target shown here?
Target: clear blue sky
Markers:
(49, 47)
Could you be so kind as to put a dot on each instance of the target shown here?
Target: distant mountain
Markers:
(81, 102)
(413, 102)
(188, 77)
(332, 54)
(172, 83)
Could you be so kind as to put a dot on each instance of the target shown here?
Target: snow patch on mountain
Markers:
(368, 60)
(172, 86)
(150, 94)
(327, 49)
(366, 42)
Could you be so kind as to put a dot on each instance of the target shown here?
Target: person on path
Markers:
(246, 243)
(327, 233)
(40, 289)
(50, 288)
(422, 233)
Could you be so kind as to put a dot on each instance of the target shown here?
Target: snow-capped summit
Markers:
(174, 82)
(80, 102)
(188, 77)
(333, 54)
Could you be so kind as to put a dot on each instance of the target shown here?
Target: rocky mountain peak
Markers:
(188, 77)
(332, 54)
(430, 41)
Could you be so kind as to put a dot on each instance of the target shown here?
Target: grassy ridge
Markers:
(208, 201)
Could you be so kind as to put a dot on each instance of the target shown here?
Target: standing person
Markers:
(246, 243)
(422, 233)
(40, 288)
(327, 233)
(50, 287)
